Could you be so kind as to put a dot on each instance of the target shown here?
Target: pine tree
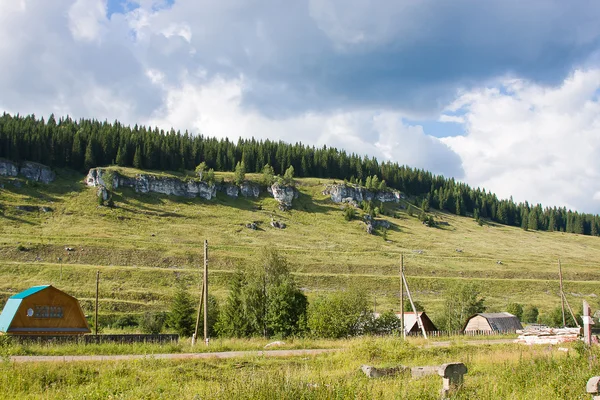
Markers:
(240, 173)
(137, 158)
(181, 315)
(122, 156)
(90, 157)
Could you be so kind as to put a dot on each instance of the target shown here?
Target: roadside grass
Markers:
(500, 371)
(147, 242)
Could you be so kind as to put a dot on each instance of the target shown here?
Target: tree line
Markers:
(88, 143)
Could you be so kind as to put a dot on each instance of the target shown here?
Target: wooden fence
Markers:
(460, 333)
(93, 339)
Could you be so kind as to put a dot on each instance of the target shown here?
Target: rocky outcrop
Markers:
(249, 189)
(285, 195)
(372, 223)
(347, 194)
(8, 168)
(145, 183)
(230, 190)
(30, 170)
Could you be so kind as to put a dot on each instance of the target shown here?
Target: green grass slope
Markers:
(147, 241)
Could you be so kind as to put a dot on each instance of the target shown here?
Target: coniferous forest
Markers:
(83, 144)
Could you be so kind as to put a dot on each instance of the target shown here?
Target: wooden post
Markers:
(97, 293)
(402, 296)
(195, 337)
(205, 292)
(417, 316)
(587, 324)
(562, 295)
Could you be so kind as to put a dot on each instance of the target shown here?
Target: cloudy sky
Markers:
(499, 94)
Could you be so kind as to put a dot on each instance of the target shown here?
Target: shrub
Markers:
(125, 322)
(530, 314)
(349, 213)
(152, 323)
(515, 309)
(340, 314)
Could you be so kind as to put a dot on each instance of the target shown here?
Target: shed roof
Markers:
(502, 322)
(13, 303)
(29, 292)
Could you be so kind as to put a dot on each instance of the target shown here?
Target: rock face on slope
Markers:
(30, 170)
(144, 183)
(344, 194)
(285, 195)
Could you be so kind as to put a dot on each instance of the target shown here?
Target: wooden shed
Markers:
(493, 322)
(43, 310)
(411, 325)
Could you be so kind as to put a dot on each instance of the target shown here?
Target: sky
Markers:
(500, 94)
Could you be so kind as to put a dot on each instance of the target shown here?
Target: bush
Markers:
(388, 323)
(339, 315)
(515, 309)
(152, 323)
(530, 314)
(349, 213)
(125, 322)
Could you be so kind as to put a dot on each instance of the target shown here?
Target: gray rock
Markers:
(231, 190)
(37, 172)
(8, 168)
(252, 225)
(145, 183)
(283, 194)
(27, 208)
(18, 184)
(278, 224)
(46, 209)
(342, 193)
(102, 192)
(249, 189)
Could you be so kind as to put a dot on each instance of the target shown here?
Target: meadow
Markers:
(147, 242)
(508, 371)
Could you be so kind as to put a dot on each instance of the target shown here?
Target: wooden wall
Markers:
(71, 322)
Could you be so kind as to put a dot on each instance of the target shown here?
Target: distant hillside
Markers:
(84, 144)
(147, 241)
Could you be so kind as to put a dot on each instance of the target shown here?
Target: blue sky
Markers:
(493, 93)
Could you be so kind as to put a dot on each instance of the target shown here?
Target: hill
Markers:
(148, 240)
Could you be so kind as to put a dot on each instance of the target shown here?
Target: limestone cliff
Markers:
(342, 193)
(30, 170)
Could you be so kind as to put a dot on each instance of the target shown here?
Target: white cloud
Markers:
(536, 143)
(215, 108)
(451, 118)
(87, 19)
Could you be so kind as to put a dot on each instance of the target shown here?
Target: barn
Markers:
(411, 325)
(493, 322)
(43, 310)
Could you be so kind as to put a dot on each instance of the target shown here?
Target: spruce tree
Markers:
(181, 315)
(90, 157)
(137, 158)
(240, 173)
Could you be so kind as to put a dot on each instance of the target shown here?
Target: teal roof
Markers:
(29, 292)
(12, 306)
(9, 312)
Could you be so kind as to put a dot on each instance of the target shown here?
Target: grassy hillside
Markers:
(143, 244)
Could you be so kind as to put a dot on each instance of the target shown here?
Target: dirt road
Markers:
(225, 354)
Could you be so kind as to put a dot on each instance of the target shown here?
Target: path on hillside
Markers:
(223, 354)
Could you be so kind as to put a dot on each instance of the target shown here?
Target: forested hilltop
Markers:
(84, 144)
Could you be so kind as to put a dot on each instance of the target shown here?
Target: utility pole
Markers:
(402, 296)
(417, 316)
(205, 292)
(195, 337)
(562, 294)
(97, 293)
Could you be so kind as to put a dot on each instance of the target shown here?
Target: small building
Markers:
(493, 322)
(411, 325)
(43, 310)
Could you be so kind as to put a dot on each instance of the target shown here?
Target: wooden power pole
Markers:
(205, 292)
(402, 296)
(97, 293)
(562, 294)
